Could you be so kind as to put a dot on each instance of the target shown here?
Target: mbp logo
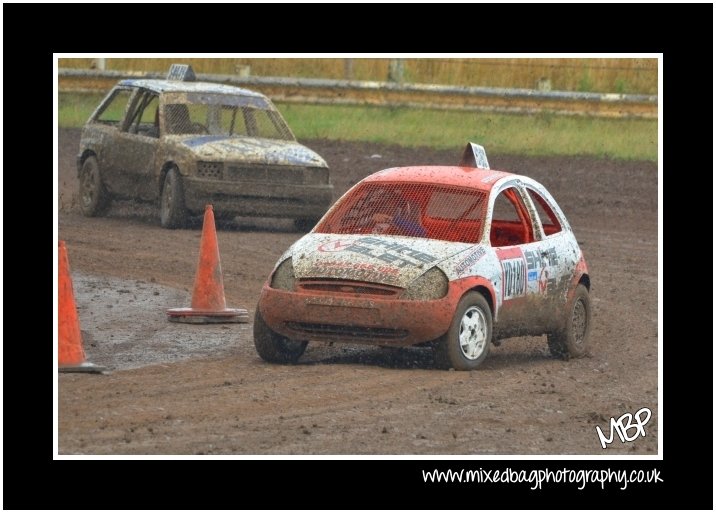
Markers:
(622, 426)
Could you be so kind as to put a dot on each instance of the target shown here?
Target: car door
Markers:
(130, 158)
(104, 125)
(524, 259)
(554, 256)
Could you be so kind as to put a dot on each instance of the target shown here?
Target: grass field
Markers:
(499, 133)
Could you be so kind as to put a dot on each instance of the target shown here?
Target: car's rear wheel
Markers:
(172, 209)
(94, 199)
(572, 340)
(467, 342)
(273, 347)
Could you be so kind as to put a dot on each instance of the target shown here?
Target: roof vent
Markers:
(181, 72)
(474, 156)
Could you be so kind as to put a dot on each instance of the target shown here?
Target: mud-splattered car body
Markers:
(491, 255)
(186, 144)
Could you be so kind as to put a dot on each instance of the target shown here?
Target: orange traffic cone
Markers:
(208, 304)
(71, 354)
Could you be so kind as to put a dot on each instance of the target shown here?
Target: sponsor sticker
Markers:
(335, 245)
(471, 259)
(393, 253)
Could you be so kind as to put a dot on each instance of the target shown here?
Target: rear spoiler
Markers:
(474, 156)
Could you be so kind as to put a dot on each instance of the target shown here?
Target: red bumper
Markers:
(394, 322)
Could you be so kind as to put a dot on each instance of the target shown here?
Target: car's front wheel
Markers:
(172, 211)
(273, 347)
(467, 342)
(572, 340)
(94, 199)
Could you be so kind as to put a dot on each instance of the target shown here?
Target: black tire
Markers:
(172, 211)
(467, 342)
(304, 225)
(94, 199)
(275, 348)
(572, 340)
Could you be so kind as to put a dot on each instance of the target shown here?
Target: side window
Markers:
(185, 118)
(113, 111)
(177, 119)
(198, 113)
(263, 124)
(550, 221)
(510, 221)
(504, 209)
(144, 119)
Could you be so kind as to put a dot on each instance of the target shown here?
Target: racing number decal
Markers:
(514, 282)
(514, 273)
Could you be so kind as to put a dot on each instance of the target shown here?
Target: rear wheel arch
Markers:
(572, 338)
(85, 155)
(584, 280)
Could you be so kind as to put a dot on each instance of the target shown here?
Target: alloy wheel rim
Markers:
(473, 333)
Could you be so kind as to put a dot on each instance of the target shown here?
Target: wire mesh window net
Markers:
(431, 211)
(214, 118)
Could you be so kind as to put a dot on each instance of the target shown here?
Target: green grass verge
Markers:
(542, 134)
(73, 110)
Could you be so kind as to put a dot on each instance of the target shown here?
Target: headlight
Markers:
(283, 277)
(431, 285)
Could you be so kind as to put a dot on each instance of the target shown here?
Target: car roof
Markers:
(177, 86)
(472, 177)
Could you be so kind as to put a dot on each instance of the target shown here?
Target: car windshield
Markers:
(431, 211)
(223, 115)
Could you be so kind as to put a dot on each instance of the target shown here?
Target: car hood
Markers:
(385, 259)
(251, 149)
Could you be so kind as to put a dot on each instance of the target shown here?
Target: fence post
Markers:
(348, 69)
(396, 69)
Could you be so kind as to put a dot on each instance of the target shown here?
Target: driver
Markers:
(403, 219)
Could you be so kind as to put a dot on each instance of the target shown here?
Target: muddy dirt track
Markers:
(193, 390)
